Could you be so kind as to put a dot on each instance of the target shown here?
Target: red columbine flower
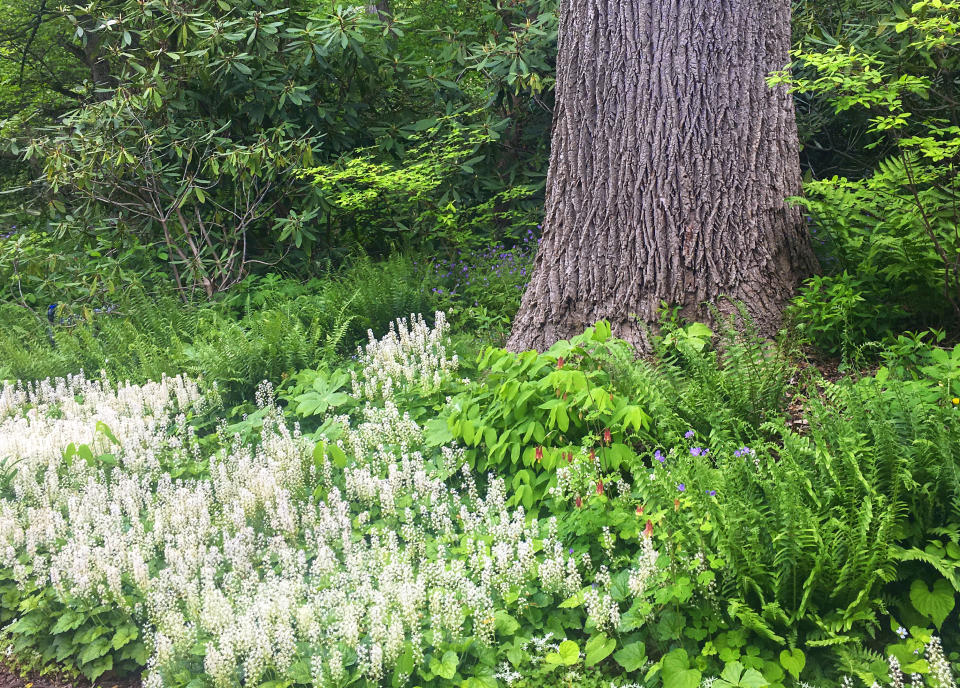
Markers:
(579, 502)
(599, 487)
(593, 456)
(570, 457)
(560, 362)
(648, 530)
(539, 454)
(606, 435)
(639, 510)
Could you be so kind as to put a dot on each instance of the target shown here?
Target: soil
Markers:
(10, 678)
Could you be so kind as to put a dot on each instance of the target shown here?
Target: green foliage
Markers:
(422, 198)
(890, 237)
(528, 411)
(480, 289)
(266, 329)
(52, 633)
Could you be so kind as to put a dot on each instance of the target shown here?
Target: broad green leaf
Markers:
(68, 621)
(935, 603)
(504, 623)
(632, 656)
(567, 654)
(793, 661)
(677, 672)
(598, 648)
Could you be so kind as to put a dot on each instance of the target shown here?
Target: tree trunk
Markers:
(381, 8)
(671, 159)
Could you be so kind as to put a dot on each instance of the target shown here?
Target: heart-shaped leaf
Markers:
(446, 667)
(936, 603)
(793, 661)
(677, 672)
(567, 654)
(632, 656)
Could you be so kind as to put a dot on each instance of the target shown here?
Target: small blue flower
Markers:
(658, 455)
(682, 487)
(712, 493)
(689, 433)
(697, 451)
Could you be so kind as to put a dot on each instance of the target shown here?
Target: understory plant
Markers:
(891, 236)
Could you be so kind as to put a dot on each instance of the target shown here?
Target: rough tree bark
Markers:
(671, 159)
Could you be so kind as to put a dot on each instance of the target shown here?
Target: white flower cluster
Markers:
(279, 561)
(939, 666)
(641, 574)
(410, 354)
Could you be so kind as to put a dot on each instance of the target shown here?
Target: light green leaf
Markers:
(598, 648)
(935, 603)
(567, 654)
(793, 661)
(677, 672)
(632, 656)
(446, 667)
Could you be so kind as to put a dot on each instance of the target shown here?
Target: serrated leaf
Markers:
(68, 621)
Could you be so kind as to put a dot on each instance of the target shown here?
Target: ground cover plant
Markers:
(527, 520)
(264, 420)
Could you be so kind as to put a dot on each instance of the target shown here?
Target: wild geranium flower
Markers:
(696, 451)
(658, 455)
(712, 493)
(682, 487)
(689, 434)
(743, 451)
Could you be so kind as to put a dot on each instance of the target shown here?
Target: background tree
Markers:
(670, 162)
